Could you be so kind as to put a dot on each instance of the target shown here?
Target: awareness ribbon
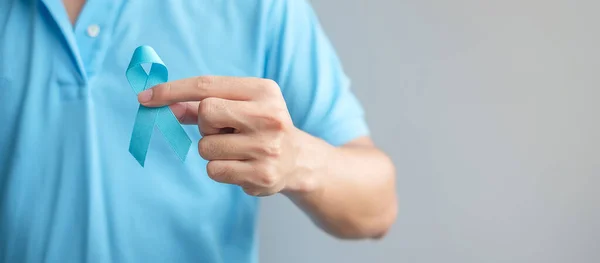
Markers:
(146, 117)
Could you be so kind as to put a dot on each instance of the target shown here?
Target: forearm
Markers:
(348, 191)
(249, 139)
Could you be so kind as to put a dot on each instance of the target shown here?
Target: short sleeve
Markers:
(301, 59)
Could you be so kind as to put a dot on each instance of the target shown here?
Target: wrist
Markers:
(310, 165)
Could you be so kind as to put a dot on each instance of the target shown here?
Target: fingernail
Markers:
(145, 96)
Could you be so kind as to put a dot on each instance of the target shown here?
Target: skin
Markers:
(250, 141)
(73, 8)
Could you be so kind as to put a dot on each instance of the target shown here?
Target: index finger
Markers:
(199, 88)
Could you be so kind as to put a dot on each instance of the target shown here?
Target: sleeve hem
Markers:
(342, 134)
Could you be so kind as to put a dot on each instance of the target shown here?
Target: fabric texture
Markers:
(70, 191)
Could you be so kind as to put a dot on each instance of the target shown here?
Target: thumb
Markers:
(186, 112)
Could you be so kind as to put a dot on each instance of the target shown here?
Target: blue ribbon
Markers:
(146, 117)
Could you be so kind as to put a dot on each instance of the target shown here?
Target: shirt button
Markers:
(93, 30)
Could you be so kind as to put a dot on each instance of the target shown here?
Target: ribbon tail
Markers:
(142, 133)
(170, 127)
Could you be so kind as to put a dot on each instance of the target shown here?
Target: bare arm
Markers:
(249, 140)
(350, 192)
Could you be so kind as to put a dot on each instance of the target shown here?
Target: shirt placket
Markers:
(93, 32)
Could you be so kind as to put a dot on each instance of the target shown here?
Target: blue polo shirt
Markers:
(70, 191)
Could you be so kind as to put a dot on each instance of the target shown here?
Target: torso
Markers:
(69, 189)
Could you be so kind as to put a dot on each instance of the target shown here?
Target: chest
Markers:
(43, 53)
(73, 8)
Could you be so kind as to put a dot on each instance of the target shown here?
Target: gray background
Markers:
(489, 110)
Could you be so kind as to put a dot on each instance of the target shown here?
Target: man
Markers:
(255, 83)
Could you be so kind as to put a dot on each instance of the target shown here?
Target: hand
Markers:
(248, 136)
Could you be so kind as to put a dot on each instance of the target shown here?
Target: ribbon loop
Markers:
(147, 118)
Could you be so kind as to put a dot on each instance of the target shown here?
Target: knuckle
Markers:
(204, 82)
(252, 191)
(216, 170)
(205, 148)
(271, 84)
(274, 121)
(267, 177)
(206, 106)
(209, 109)
(272, 148)
(271, 87)
(161, 92)
(259, 192)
